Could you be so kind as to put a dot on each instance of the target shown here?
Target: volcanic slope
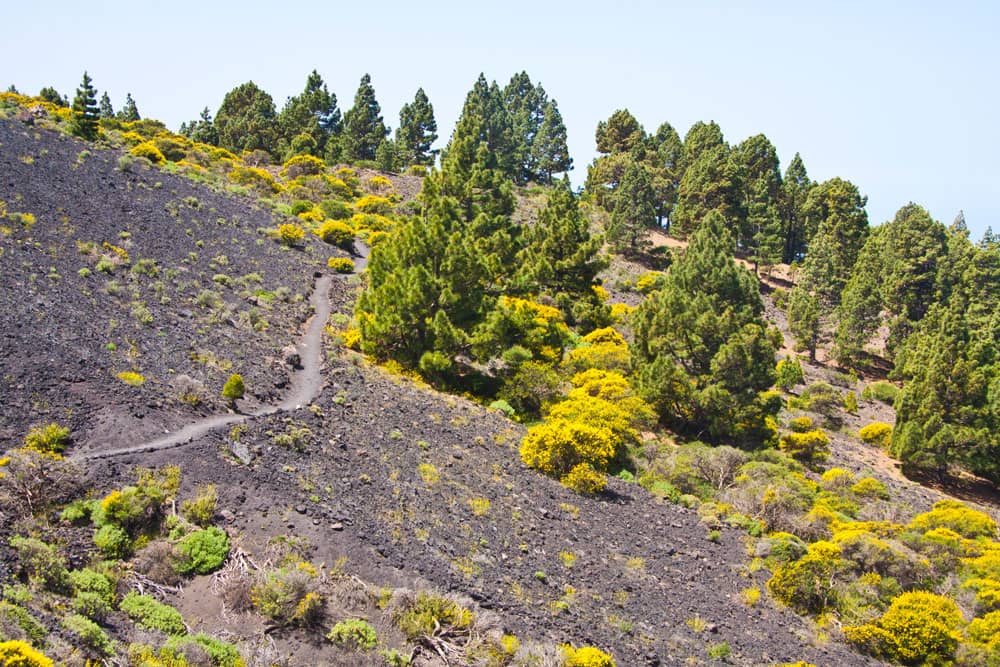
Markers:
(413, 488)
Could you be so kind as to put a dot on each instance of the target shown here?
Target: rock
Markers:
(241, 452)
(290, 356)
(301, 509)
(336, 526)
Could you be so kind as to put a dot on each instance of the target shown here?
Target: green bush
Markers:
(113, 541)
(810, 448)
(353, 633)
(13, 615)
(43, 563)
(819, 397)
(789, 373)
(89, 634)
(808, 584)
(334, 209)
(149, 613)
(201, 509)
(79, 512)
(883, 391)
(430, 613)
(94, 594)
(222, 654)
(234, 388)
(204, 551)
(290, 595)
(301, 206)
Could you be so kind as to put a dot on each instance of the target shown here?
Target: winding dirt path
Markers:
(306, 382)
(305, 385)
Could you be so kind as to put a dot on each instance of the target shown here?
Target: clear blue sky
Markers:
(899, 97)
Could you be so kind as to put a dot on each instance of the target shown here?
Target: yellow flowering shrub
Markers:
(808, 584)
(49, 440)
(918, 627)
(810, 447)
(877, 434)
(254, 177)
(600, 292)
(957, 516)
(132, 138)
(583, 478)
(558, 445)
(340, 264)
(290, 233)
(21, 654)
(620, 312)
(336, 233)
(586, 656)
(649, 281)
(602, 348)
(312, 215)
(373, 204)
(869, 487)
(148, 150)
(985, 630)
(131, 378)
(379, 183)
(302, 165)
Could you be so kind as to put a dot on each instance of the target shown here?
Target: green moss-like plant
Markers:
(149, 613)
(89, 634)
(353, 633)
(204, 551)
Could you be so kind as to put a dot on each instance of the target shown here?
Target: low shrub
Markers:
(290, 595)
(808, 584)
(94, 594)
(49, 440)
(148, 150)
(557, 446)
(290, 234)
(89, 634)
(428, 614)
(302, 165)
(810, 448)
(340, 264)
(336, 232)
(43, 563)
(131, 378)
(586, 656)
(31, 628)
(877, 434)
(335, 209)
(149, 613)
(200, 510)
(20, 654)
(221, 654)
(374, 205)
(203, 551)
(354, 633)
(883, 391)
(918, 628)
(584, 479)
(789, 373)
(234, 388)
(958, 517)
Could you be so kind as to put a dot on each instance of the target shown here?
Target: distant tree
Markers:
(709, 184)
(484, 121)
(837, 210)
(704, 355)
(363, 126)
(246, 120)
(106, 110)
(619, 134)
(958, 225)
(12, 89)
(387, 156)
(550, 154)
(803, 320)
(989, 238)
(313, 112)
(417, 131)
(129, 113)
(859, 314)
(525, 105)
(83, 122)
(634, 210)
(758, 181)
(795, 189)
(664, 158)
(52, 96)
(701, 138)
(234, 389)
(202, 130)
(560, 257)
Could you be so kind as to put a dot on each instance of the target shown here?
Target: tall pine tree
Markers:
(364, 129)
(83, 122)
(550, 154)
(417, 131)
(314, 113)
(246, 120)
(634, 211)
(129, 113)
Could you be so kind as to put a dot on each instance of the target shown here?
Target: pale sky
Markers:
(898, 97)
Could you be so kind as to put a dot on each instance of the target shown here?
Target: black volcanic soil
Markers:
(623, 571)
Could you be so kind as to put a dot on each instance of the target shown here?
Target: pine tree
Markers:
(704, 354)
(314, 113)
(837, 210)
(246, 120)
(758, 179)
(859, 314)
(524, 103)
(708, 184)
(106, 110)
(803, 320)
(701, 138)
(795, 189)
(619, 134)
(364, 129)
(201, 130)
(83, 123)
(550, 154)
(634, 210)
(664, 157)
(417, 131)
(484, 120)
(129, 113)
(52, 96)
